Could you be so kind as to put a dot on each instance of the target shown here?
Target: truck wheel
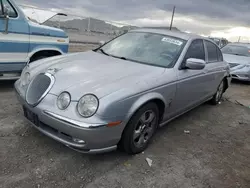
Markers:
(140, 129)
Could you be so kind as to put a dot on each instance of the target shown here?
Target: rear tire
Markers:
(140, 129)
(219, 93)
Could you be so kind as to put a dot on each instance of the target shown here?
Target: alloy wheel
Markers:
(144, 129)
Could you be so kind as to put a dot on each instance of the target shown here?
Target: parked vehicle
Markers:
(221, 42)
(238, 57)
(23, 41)
(120, 93)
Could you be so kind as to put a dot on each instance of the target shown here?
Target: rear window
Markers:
(236, 50)
(220, 56)
(212, 51)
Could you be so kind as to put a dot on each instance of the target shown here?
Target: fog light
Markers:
(79, 141)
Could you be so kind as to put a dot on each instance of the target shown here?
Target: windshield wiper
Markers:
(124, 58)
(101, 50)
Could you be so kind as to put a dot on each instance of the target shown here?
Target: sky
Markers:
(221, 18)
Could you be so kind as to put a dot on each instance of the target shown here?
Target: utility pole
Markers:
(88, 25)
(171, 24)
(239, 39)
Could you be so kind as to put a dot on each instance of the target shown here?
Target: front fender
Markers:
(143, 100)
(125, 108)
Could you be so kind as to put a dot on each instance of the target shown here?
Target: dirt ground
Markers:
(214, 154)
(81, 48)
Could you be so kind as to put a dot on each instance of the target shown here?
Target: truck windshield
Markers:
(38, 15)
(147, 48)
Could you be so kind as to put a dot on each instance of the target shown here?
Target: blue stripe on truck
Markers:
(14, 47)
(11, 67)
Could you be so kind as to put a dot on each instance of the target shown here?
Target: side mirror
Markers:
(101, 43)
(195, 64)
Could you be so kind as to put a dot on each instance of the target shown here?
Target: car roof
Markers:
(217, 38)
(240, 44)
(177, 34)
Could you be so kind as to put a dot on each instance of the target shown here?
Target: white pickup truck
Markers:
(23, 41)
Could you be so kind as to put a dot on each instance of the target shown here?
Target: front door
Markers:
(14, 39)
(191, 85)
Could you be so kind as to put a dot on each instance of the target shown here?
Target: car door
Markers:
(14, 37)
(191, 84)
(215, 67)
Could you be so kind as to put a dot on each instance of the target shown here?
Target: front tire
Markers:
(140, 129)
(218, 95)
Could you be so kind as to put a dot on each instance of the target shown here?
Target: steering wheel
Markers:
(167, 55)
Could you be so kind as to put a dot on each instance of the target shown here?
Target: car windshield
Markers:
(236, 50)
(147, 48)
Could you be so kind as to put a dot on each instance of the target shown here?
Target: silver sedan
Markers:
(120, 93)
(238, 57)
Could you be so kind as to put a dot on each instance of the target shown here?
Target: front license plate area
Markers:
(32, 117)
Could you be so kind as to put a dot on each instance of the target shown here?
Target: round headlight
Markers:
(87, 105)
(63, 100)
(25, 80)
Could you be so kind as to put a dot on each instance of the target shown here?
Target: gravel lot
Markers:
(215, 154)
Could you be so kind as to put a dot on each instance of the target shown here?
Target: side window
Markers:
(9, 9)
(211, 52)
(196, 50)
(1, 8)
(220, 56)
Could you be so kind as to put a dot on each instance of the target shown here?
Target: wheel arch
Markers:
(45, 51)
(156, 98)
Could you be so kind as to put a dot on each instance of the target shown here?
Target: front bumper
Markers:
(240, 72)
(240, 77)
(93, 140)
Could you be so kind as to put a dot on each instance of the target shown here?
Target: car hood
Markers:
(242, 60)
(92, 72)
(238, 64)
(48, 31)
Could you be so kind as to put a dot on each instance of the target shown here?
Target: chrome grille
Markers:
(38, 88)
(233, 65)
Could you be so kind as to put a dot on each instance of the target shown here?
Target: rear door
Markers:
(191, 85)
(215, 67)
(14, 42)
